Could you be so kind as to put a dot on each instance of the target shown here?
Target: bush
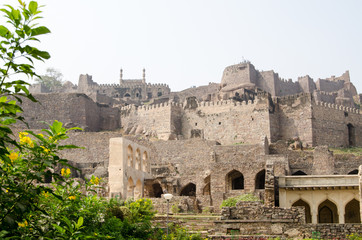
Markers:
(231, 202)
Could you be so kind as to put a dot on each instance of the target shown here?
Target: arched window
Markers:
(353, 172)
(130, 156)
(189, 190)
(327, 212)
(206, 190)
(159, 92)
(260, 180)
(145, 162)
(352, 212)
(138, 159)
(308, 216)
(234, 180)
(127, 95)
(299, 173)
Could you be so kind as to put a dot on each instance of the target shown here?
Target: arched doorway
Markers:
(260, 180)
(234, 180)
(299, 173)
(327, 212)
(130, 188)
(353, 172)
(189, 190)
(352, 212)
(351, 135)
(308, 216)
(138, 190)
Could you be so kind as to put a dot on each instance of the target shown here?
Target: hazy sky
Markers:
(190, 42)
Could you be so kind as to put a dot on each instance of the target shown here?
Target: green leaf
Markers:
(4, 32)
(59, 228)
(39, 31)
(33, 6)
(79, 223)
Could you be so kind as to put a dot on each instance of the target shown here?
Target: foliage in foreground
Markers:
(231, 202)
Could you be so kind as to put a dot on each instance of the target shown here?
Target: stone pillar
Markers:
(314, 212)
(340, 212)
(115, 168)
(323, 163)
(269, 197)
(360, 189)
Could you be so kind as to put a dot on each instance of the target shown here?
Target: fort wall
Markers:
(228, 121)
(331, 125)
(295, 117)
(73, 109)
(152, 120)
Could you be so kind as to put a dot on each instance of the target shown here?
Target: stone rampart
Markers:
(336, 125)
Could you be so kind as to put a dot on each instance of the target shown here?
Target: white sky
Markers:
(190, 42)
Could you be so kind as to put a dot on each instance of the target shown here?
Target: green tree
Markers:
(51, 79)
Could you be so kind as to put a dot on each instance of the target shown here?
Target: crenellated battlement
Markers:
(338, 107)
(226, 102)
(152, 106)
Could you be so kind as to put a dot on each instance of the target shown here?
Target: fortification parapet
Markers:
(338, 107)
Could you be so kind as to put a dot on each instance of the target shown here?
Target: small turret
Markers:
(144, 76)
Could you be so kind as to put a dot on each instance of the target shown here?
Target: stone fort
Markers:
(253, 132)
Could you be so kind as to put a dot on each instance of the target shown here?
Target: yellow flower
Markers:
(22, 134)
(13, 156)
(23, 224)
(65, 172)
(46, 150)
(71, 197)
(95, 180)
(41, 135)
(46, 194)
(26, 140)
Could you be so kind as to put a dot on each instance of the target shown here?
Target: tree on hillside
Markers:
(52, 78)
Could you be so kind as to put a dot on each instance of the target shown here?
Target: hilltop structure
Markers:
(252, 133)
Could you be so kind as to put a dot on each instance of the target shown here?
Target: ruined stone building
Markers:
(252, 133)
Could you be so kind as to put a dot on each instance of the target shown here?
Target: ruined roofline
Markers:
(126, 85)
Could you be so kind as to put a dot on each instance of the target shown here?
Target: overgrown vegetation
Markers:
(357, 151)
(231, 202)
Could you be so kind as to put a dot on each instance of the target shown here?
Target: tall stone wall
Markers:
(228, 122)
(330, 125)
(152, 120)
(295, 118)
(73, 109)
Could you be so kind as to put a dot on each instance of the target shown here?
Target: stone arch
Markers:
(189, 190)
(130, 188)
(138, 190)
(129, 156)
(234, 180)
(156, 190)
(327, 212)
(351, 135)
(207, 188)
(127, 95)
(353, 172)
(299, 173)
(260, 180)
(301, 202)
(144, 161)
(138, 159)
(352, 212)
